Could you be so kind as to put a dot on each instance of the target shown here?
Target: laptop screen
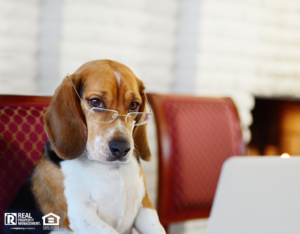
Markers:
(257, 195)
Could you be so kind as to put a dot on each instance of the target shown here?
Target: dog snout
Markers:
(119, 148)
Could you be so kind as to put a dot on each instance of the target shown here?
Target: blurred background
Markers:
(248, 50)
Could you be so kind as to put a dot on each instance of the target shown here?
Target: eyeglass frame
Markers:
(116, 112)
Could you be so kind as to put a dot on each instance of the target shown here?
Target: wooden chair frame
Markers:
(25, 100)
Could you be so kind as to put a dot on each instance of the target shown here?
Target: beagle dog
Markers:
(89, 173)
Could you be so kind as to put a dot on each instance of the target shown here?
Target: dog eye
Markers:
(95, 102)
(133, 105)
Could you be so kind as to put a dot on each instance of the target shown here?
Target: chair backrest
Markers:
(22, 138)
(195, 136)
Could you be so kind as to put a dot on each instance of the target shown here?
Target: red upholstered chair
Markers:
(195, 136)
(22, 138)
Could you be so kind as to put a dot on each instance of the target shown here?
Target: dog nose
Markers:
(119, 148)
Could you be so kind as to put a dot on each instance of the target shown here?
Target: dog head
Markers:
(102, 84)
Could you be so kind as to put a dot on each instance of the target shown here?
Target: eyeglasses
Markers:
(102, 115)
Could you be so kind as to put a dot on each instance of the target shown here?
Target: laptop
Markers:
(257, 195)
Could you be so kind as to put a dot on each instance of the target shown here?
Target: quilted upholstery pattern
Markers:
(204, 133)
(22, 138)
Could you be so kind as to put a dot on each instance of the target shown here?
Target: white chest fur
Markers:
(102, 190)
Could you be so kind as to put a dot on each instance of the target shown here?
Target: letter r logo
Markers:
(10, 219)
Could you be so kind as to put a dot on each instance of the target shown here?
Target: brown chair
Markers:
(22, 138)
(195, 136)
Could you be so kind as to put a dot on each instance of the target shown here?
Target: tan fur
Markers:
(63, 118)
(48, 189)
(98, 79)
(98, 84)
(146, 201)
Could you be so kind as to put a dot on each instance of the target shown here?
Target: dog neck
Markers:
(104, 186)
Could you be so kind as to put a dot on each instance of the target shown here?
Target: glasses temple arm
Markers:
(77, 92)
(148, 103)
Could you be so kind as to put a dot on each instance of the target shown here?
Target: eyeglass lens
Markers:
(107, 116)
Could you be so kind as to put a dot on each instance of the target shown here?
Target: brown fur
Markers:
(48, 188)
(140, 132)
(146, 201)
(63, 119)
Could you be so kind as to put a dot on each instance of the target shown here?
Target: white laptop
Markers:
(257, 195)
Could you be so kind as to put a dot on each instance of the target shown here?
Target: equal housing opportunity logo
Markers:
(51, 219)
(51, 222)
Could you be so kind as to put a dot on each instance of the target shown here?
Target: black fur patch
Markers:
(24, 201)
(51, 155)
(138, 159)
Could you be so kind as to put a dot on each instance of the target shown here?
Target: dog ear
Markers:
(140, 132)
(64, 121)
